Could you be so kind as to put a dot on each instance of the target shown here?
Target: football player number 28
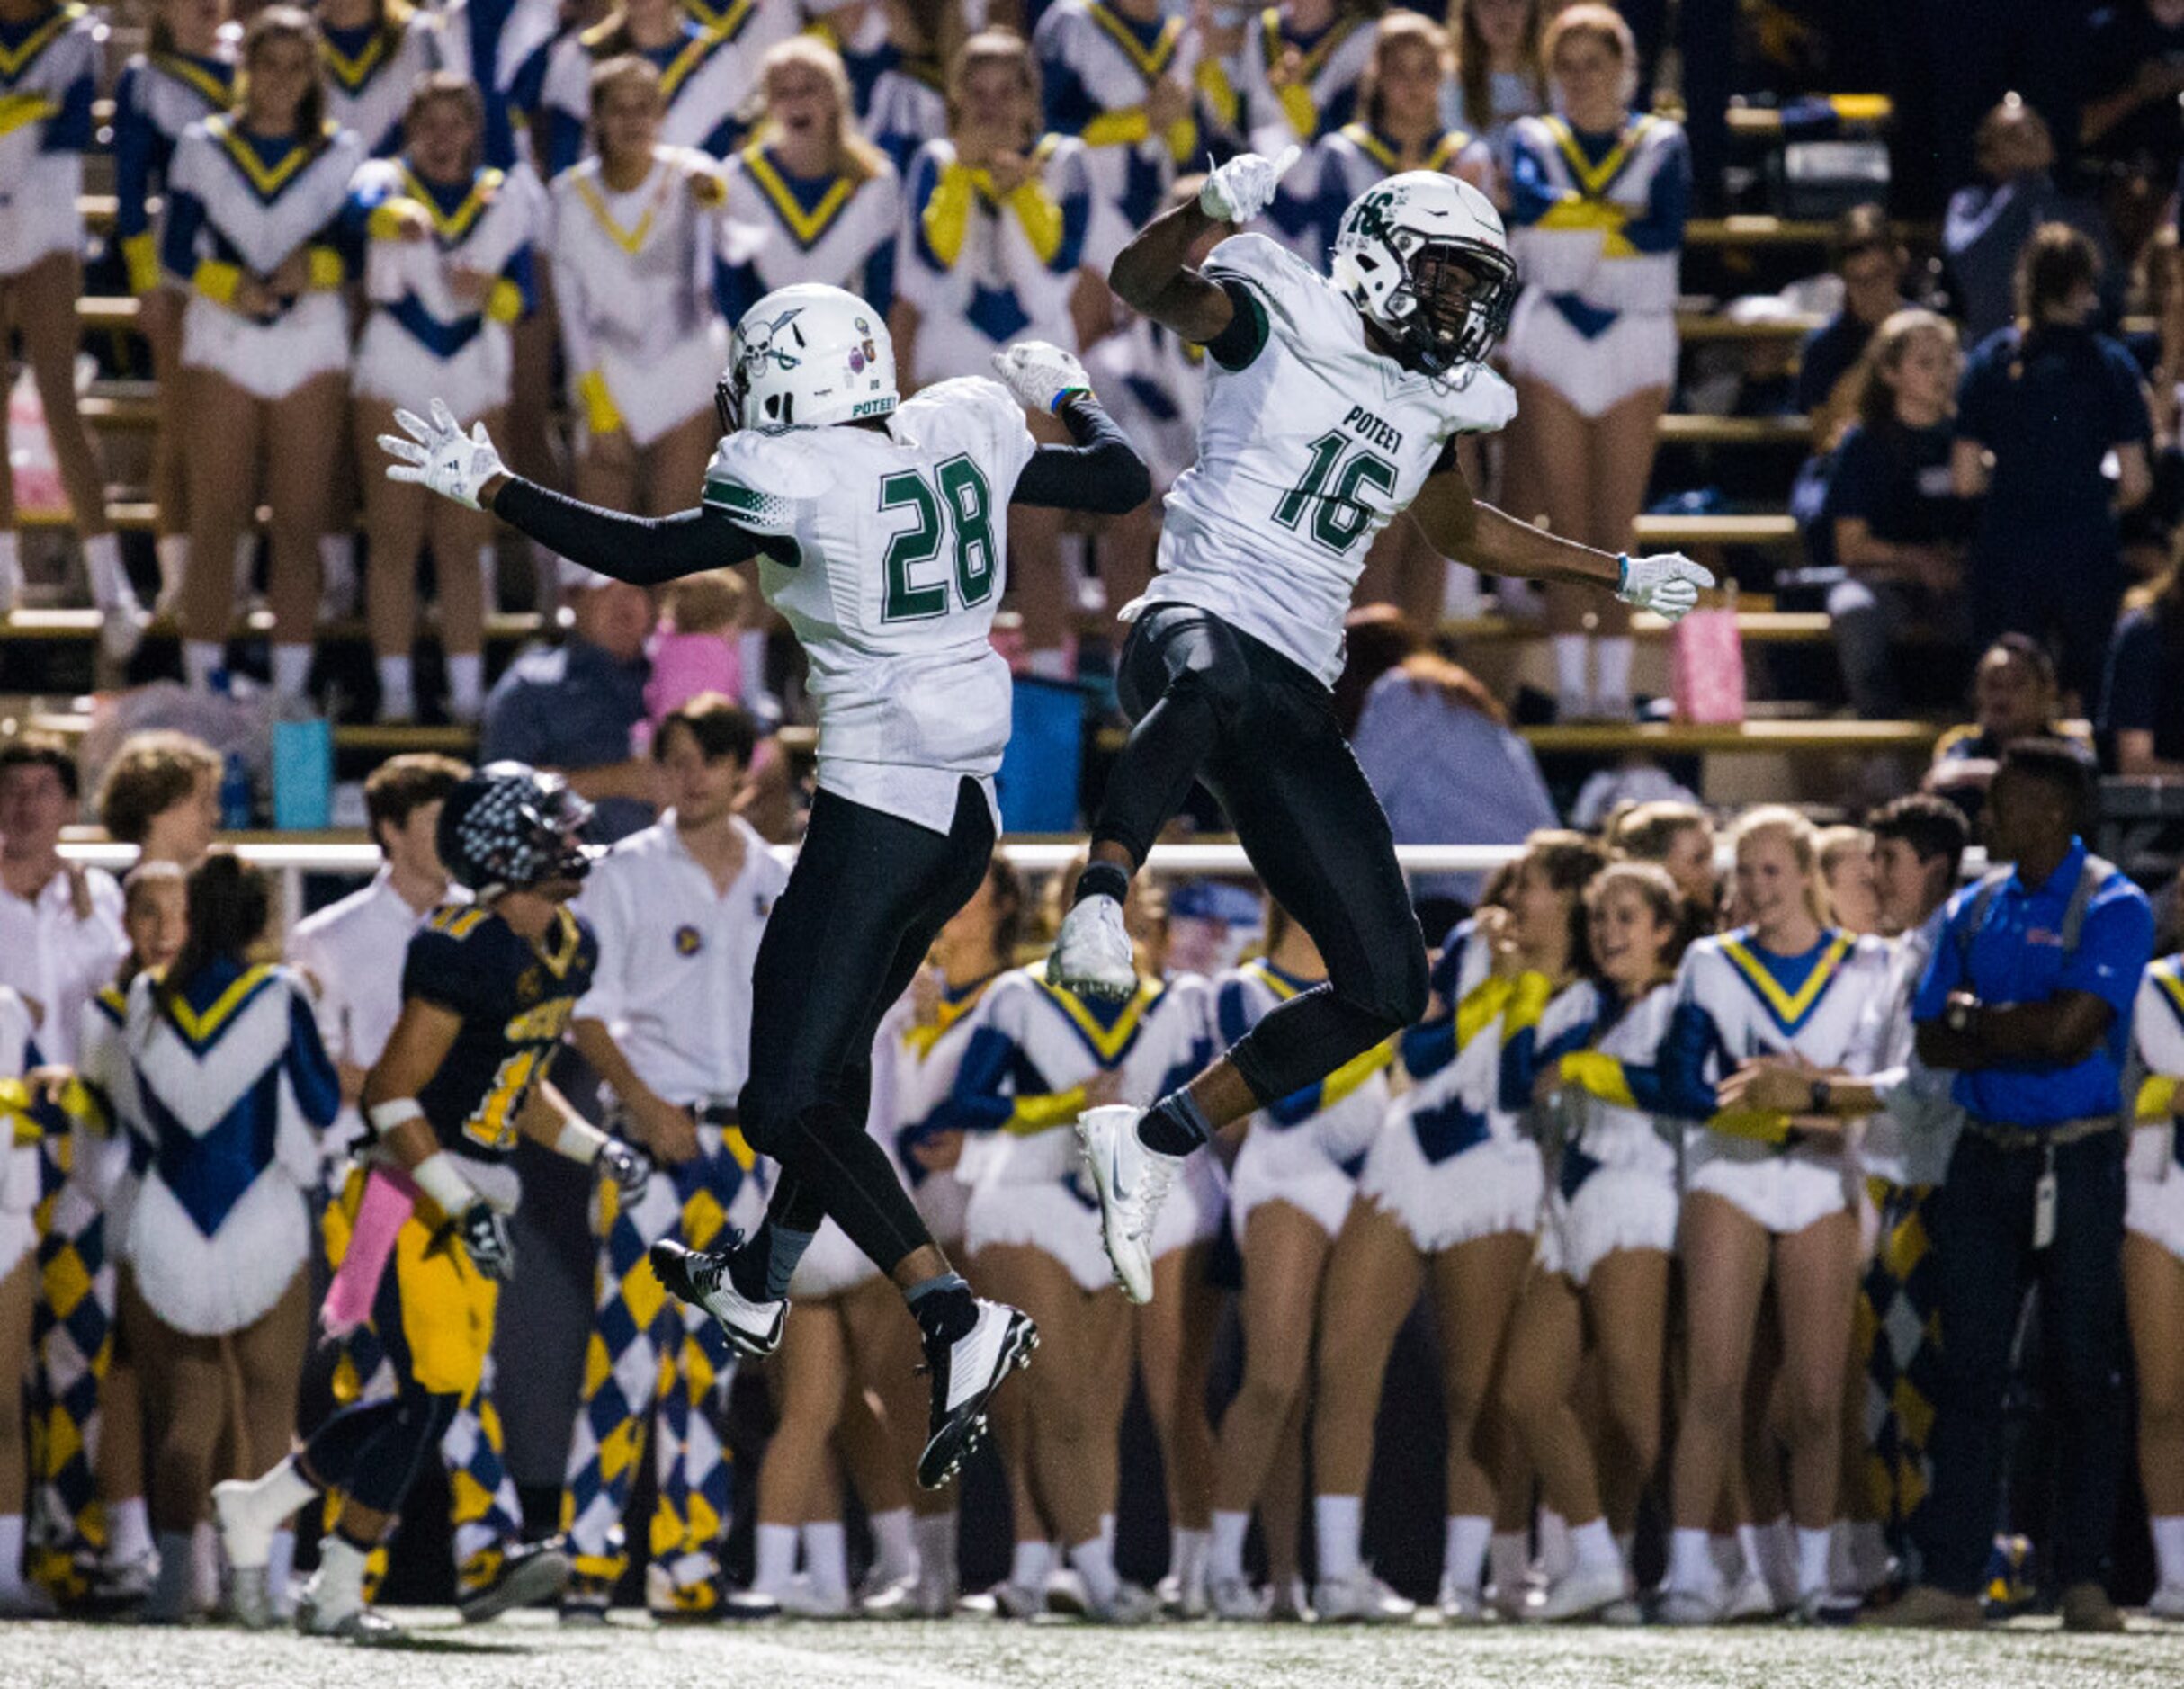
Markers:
(1330, 490)
(948, 503)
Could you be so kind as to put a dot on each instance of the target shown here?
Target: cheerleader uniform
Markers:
(983, 270)
(1096, 67)
(1307, 1149)
(1596, 222)
(907, 108)
(914, 1069)
(235, 1087)
(1615, 1183)
(19, 1154)
(239, 203)
(777, 229)
(159, 95)
(2153, 1206)
(1356, 156)
(504, 47)
(49, 70)
(1735, 1001)
(632, 274)
(1510, 95)
(418, 341)
(705, 76)
(1317, 104)
(1021, 1087)
(370, 70)
(1453, 1164)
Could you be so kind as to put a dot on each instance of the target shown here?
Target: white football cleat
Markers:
(1579, 1593)
(1132, 1182)
(1360, 1598)
(965, 1374)
(701, 1278)
(1092, 954)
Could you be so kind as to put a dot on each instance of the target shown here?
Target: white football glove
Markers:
(1240, 189)
(1038, 375)
(1668, 584)
(440, 456)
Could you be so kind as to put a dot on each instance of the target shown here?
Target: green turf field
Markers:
(531, 1653)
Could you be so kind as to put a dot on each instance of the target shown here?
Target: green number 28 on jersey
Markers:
(950, 502)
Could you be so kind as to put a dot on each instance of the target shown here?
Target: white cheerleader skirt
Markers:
(268, 361)
(37, 211)
(1497, 1186)
(1288, 1165)
(2153, 1201)
(1784, 1192)
(1060, 1219)
(395, 368)
(1615, 1208)
(210, 1286)
(832, 1266)
(19, 1181)
(1634, 353)
(657, 398)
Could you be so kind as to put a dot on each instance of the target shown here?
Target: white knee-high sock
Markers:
(1592, 1547)
(2169, 1549)
(1227, 1562)
(1812, 1549)
(1029, 1564)
(894, 1554)
(936, 1534)
(1463, 1551)
(776, 1558)
(1339, 1526)
(826, 1558)
(129, 1531)
(1692, 1568)
(1190, 1557)
(11, 1553)
(1094, 1563)
(397, 688)
(466, 685)
(1554, 1550)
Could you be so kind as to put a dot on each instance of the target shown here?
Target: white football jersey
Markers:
(1304, 454)
(901, 539)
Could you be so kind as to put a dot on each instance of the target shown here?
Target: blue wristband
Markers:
(1064, 396)
(1622, 570)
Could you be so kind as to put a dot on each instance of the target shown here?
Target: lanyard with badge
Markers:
(2044, 1200)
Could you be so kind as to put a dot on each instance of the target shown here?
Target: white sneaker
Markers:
(1133, 1604)
(2168, 1603)
(1459, 1605)
(1132, 1181)
(1577, 1594)
(1360, 1598)
(1092, 954)
(804, 1600)
(1750, 1598)
(1234, 1599)
(1689, 1607)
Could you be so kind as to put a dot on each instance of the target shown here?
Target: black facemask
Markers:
(1463, 292)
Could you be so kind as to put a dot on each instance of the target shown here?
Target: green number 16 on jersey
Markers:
(1338, 515)
(954, 498)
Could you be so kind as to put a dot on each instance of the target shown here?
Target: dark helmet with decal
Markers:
(508, 827)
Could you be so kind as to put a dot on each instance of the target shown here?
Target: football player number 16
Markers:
(951, 501)
(1330, 492)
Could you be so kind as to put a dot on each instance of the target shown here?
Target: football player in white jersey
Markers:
(881, 532)
(1333, 406)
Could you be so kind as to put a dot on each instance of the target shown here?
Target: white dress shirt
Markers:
(676, 956)
(58, 961)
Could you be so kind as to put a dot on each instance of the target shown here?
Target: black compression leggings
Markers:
(1216, 705)
(869, 894)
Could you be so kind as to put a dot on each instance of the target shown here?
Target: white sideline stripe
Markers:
(851, 1669)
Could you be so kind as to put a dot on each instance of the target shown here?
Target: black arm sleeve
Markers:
(1102, 472)
(644, 551)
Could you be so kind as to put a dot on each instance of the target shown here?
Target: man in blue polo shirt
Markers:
(2027, 1000)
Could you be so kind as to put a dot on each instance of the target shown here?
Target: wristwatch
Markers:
(1823, 1093)
(1957, 1016)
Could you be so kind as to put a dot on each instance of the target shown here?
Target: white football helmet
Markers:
(804, 356)
(1423, 256)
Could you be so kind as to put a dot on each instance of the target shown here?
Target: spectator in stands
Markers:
(1897, 524)
(60, 924)
(2141, 712)
(2149, 531)
(2013, 697)
(634, 231)
(1990, 224)
(1003, 238)
(1680, 839)
(570, 707)
(53, 68)
(2027, 1000)
(448, 269)
(2131, 125)
(1447, 767)
(186, 77)
(2043, 404)
(1598, 201)
(1871, 261)
(161, 793)
(252, 201)
(1501, 71)
(216, 1293)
